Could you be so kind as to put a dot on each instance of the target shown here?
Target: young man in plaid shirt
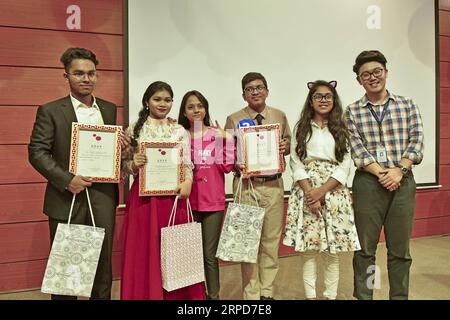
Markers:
(386, 135)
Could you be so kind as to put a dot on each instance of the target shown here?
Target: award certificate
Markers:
(261, 149)
(163, 171)
(95, 152)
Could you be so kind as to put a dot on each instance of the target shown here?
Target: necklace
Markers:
(158, 131)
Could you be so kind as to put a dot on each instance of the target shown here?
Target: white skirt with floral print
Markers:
(334, 231)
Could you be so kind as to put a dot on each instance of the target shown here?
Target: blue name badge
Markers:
(245, 123)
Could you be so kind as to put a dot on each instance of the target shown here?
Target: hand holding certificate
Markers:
(260, 146)
(95, 152)
(163, 172)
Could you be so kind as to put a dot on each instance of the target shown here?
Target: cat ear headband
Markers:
(332, 83)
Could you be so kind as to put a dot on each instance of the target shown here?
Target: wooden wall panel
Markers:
(24, 241)
(444, 23)
(13, 273)
(444, 178)
(445, 126)
(117, 264)
(444, 100)
(22, 274)
(431, 226)
(14, 165)
(120, 115)
(16, 123)
(101, 16)
(35, 34)
(284, 251)
(35, 86)
(30, 241)
(121, 198)
(427, 227)
(445, 151)
(445, 74)
(432, 204)
(31, 53)
(118, 239)
(22, 202)
(444, 48)
(444, 5)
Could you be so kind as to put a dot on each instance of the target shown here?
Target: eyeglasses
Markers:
(377, 72)
(258, 89)
(318, 97)
(80, 75)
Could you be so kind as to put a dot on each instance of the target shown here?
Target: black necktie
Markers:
(259, 117)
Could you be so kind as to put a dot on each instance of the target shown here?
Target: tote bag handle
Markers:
(173, 213)
(238, 196)
(90, 208)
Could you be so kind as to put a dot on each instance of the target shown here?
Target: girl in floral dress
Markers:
(320, 218)
(145, 216)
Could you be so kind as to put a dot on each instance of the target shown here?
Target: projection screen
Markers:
(208, 45)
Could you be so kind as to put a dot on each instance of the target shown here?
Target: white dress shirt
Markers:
(319, 147)
(86, 114)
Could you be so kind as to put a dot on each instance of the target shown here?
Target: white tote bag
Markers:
(241, 230)
(73, 259)
(181, 252)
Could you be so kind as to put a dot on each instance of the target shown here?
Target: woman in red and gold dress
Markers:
(145, 216)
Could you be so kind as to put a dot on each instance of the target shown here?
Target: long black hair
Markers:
(183, 120)
(144, 112)
(336, 123)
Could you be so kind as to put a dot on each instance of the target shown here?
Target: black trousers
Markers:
(211, 228)
(375, 207)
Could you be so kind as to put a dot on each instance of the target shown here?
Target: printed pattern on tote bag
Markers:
(73, 260)
(241, 233)
(181, 252)
(241, 230)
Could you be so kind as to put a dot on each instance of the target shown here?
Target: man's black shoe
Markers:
(266, 298)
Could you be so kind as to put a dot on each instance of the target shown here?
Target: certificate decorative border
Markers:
(142, 147)
(264, 127)
(76, 127)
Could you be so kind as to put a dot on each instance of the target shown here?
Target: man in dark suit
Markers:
(49, 153)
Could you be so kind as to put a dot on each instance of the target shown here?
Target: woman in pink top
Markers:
(212, 151)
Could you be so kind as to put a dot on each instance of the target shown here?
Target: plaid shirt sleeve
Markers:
(414, 151)
(360, 155)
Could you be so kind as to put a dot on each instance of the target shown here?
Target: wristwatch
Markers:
(403, 169)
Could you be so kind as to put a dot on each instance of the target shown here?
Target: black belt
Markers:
(262, 178)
